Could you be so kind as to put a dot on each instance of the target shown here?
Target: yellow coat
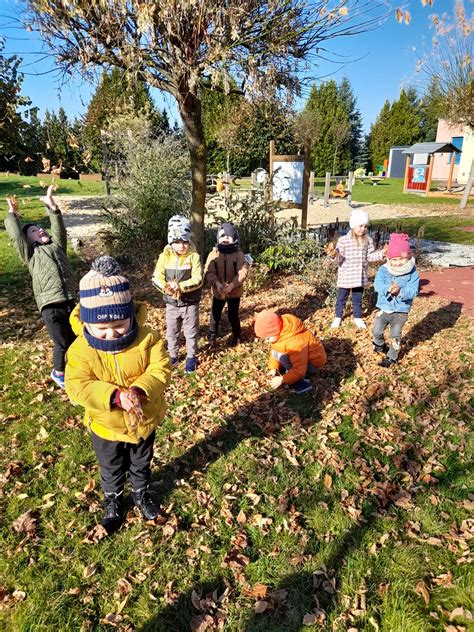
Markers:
(92, 376)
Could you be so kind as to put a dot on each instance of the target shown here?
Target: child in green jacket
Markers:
(54, 282)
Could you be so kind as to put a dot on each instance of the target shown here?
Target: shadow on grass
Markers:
(259, 418)
(376, 502)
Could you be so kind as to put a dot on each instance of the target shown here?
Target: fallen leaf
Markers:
(261, 606)
(89, 571)
(327, 481)
(422, 590)
(259, 591)
(27, 523)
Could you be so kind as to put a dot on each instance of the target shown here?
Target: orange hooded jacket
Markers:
(295, 348)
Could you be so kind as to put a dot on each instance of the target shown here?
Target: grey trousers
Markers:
(396, 322)
(186, 317)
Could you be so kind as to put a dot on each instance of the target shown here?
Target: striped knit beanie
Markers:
(104, 294)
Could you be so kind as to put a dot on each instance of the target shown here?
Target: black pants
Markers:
(56, 319)
(343, 295)
(116, 458)
(233, 305)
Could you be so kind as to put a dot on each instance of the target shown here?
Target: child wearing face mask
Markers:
(118, 369)
(352, 252)
(226, 270)
(54, 282)
(397, 284)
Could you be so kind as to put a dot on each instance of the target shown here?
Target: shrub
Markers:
(151, 183)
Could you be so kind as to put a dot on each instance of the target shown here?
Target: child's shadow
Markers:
(443, 318)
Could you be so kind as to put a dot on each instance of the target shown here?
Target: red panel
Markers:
(416, 186)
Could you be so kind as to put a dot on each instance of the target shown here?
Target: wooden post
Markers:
(304, 199)
(327, 188)
(468, 187)
(407, 165)
(350, 180)
(270, 188)
(451, 169)
(311, 182)
(430, 171)
(105, 162)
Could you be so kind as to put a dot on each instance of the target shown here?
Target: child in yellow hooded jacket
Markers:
(118, 369)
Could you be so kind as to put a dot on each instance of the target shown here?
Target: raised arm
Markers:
(13, 228)
(58, 229)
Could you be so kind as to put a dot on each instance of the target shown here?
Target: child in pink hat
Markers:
(396, 284)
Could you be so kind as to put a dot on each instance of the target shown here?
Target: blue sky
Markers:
(380, 62)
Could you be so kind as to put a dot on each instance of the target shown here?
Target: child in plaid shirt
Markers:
(352, 253)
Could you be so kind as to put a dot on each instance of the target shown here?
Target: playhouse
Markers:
(419, 165)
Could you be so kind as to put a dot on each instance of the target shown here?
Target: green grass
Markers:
(389, 191)
(14, 185)
(226, 447)
(445, 228)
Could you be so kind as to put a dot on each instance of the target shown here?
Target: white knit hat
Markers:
(179, 229)
(358, 218)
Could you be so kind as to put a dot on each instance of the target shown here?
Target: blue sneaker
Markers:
(58, 378)
(174, 362)
(191, 365)
(302, 386)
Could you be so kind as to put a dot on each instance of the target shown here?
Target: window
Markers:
(457, 142)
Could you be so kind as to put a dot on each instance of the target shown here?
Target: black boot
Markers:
(143, 500)
(387, 363)
(380, 348)
(234, 341)
(113, 510)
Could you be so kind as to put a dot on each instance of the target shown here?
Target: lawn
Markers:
(444, 228)
(388, 191)
(347, 508)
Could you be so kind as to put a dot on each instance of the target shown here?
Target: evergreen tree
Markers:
(396, 124)
(355, 120)
(362, 160)
(431, 111)
(11, 122)
(115, 94)
(339, 120)
(32, 143)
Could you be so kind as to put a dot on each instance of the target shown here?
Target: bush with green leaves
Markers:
(255, 216)
(151, 182)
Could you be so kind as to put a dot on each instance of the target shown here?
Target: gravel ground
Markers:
(82, 216)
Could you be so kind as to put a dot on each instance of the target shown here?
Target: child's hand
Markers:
(13, 206)
(219, 287)
(272, 372)
(276, 381)
(384, 250)
(49, 196)
(228, 288)
(394, 289)
(174, 286)
(127, 401)
(331, 249)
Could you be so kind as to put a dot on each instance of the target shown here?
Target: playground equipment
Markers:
(419, 165)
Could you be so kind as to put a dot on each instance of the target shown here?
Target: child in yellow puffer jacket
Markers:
(118, 369)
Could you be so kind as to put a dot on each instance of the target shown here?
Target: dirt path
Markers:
(82, 215)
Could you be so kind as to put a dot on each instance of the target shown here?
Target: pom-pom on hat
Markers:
(228, 229)
(179, 229)
(358, 218)
(267, 324)
(104, 294)
(398, 246)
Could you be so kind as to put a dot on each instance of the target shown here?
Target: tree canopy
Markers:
(179, 46)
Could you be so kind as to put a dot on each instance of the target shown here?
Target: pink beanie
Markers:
(398, 246)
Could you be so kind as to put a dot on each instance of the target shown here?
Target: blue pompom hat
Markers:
(104, 294)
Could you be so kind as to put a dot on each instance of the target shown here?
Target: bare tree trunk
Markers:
(468, 188)
(190, 110)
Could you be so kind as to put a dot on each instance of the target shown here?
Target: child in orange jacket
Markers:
(295, 351)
